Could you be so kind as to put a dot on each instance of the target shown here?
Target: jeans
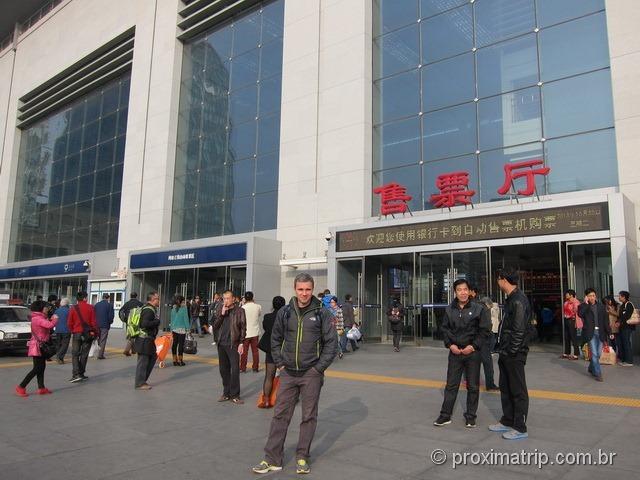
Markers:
(144, 368)
(307, 389)
(63, 345)
(625, 353)
(514, 395)
(102, 342)
(195, 325)
(39, 364)
(344, 341)
(487, 359)
(595, 345)
(470, 365)
(80, 353)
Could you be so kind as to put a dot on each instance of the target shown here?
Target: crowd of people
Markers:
(302, 337)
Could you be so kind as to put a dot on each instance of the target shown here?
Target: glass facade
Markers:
(226, 175)
(473, 85)
(70, 177)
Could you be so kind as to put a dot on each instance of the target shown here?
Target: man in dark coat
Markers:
(595, 330)
(145, 345)
(104, 318)
(395, 315)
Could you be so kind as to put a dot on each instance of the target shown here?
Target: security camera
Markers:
(328, 237)
(86, 264)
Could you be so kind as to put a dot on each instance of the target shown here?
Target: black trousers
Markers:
(396, 338)
(63, 345)
(571, 337)
(144, 368)
(487, 359)
(39, 364)
(177, 347)
(80, 353)
(229, 363)
(513, 391)
(470, 365)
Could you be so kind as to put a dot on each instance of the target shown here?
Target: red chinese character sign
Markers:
(453, 190)
(514, 171)
(393, 198)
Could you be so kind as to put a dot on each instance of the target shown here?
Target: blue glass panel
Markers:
(242, 141)
(447, 34)
(510, 119)
(90, 137)
(553, 11)
(450, 132)
(267, 173)
(266, 211)
(397, 97)
(70, 192)
(575, 47)
(246, 33)
(110, 99)
(218, 45)
(103, 182)
(271, 59)
(272, 21)
(498, 20)
(244, 69)
(108, 127)
(117, 177)
(582, 162)
(85, 190)
(105, 155)
(72, 168)
(577, 104)
(448, 82)
(240, 218)
(398, 144)
(101, 210)
(397, 51)
(241, 178)
(433, 7)
(507, 66)
(389, 15)
(92, 111)
(243, 105)
(122, 121)
(270, 94)
(268, 134)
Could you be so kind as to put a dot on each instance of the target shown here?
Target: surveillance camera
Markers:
(328, 237)
(86, 264)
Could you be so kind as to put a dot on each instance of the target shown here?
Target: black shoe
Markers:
(441, 421)
(492, 388)
(102, 358)
(84, 378)
(181, 363)
(471, 423)
(75, 379)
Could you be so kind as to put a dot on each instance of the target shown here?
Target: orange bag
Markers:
(272, 397)
(163, 345)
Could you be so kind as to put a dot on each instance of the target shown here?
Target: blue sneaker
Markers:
(515, 435)
(498, 427)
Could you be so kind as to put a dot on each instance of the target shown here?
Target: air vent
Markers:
(108, 62)
(200, 15)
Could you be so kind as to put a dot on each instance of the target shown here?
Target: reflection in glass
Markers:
(448, 82)
(449, 132)
(551, 12)
(498, 20)
(578, 104)
(399, 96)
(392, 14)
(397, 51)
(398, 144)
(574, 47)
(447, 34)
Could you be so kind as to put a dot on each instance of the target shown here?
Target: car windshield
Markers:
(8, 315)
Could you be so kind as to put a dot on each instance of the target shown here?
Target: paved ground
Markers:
(375, 422)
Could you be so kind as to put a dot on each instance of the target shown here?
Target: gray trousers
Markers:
(144, 368)
(102, 342)
(307, 388)
(63, 345)
(80, 354)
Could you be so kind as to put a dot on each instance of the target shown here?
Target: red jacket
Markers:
(88, 315)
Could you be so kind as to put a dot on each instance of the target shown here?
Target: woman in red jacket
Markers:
(41, 328)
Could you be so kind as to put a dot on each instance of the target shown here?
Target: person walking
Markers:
(252, 312)
(490, 344)
(104, 319)
(231, 325)
(465, 328)
(595, 331)
(84, 329)
(513, 347)
(133, 302)
(348, 314)
(303, 345)
(62, 330)
(265, 345)
(41, 328)
(179, 327)
(395, 315)
(571, 325)
(144, 344)
(194, 311)
(338, 322)
(626, 331)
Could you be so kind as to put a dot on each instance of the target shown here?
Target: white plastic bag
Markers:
(94, 349)
(354, 333)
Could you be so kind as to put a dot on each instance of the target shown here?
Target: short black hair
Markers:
(571, 292)
(625, 294)
(348, 297)
(334, 299)
(510, 275)
(248, 296)
(589, 290)
(461, 281)
(278, 302)
(81, 295)
(105, 296)
(134, 295)
(38, 306)
(52, 298)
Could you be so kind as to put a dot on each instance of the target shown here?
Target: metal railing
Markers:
(24, 26)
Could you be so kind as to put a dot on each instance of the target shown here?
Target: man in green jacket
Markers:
(303, 345)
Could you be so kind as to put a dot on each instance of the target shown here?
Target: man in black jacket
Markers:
(303, 345)
(595, 330)
(625, 313)
(133, 302)
(465, 328)
(513, 347)
(145, 343)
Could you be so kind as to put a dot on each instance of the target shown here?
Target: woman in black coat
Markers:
(265, 345)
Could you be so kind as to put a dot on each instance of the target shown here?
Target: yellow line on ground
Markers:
(15, 364)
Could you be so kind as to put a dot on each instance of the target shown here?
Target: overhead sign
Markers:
(549, 221)
(235, 252)
(49, 270)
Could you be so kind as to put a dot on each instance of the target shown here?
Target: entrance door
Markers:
(589, 266)
(436, 274)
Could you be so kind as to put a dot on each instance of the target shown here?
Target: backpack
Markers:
(133, 323)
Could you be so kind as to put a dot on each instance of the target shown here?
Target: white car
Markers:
(15, 327)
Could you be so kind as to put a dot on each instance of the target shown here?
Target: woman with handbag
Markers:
(180, 325)
(40, 346)
(265, 345)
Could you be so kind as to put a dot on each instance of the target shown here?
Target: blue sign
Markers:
(50, 270)
(236, 252)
